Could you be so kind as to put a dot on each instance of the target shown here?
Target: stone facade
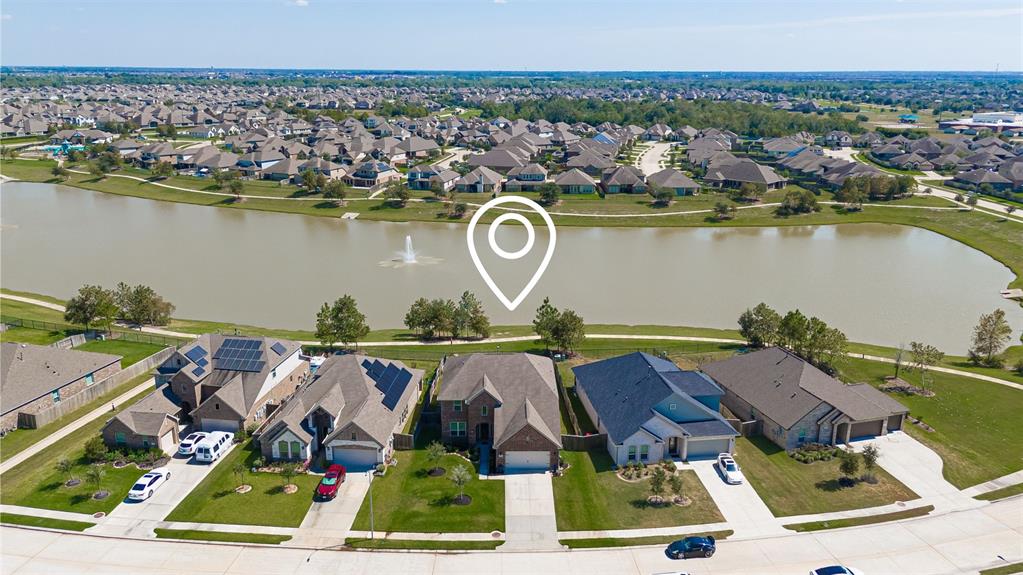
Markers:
(527, 439)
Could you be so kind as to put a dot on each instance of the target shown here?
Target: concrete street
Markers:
(650, 161)
(959, 542)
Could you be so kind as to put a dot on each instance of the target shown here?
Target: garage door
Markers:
(228, 425)
(706, 448)
(167, 442)
(895, 423)
(355, 459)
(866, 429)
(526, 461)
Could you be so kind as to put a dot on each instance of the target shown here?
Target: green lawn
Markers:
(792, 488)
(870, 520)
(1004, 569)
(131, 352)
(1001, 493)
(359, 543)
(214, 500)
(20, 439)
(636, 541)
(34, 336)
(36, 483)
(191, 534)
(406, 499)
(974, 421)
(32, 521)
(590, 496)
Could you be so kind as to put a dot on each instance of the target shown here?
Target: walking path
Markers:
(640, 337)
(49, 513)
(10, 462)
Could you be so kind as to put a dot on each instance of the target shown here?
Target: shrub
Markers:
(95, 450)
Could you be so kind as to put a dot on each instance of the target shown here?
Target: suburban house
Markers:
(481, 179)
(34, 378)
(796, 403)
(226, 383)
(153, 422)
(575, 181)
(674, 180)
(651, 409)
(506, 400)
(623, 180)
(732, 173)
(527, 178)
(370, 174)
(351, 408)
(426, 176)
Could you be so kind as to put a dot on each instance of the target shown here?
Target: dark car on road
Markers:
(692, 547)
(332, 480)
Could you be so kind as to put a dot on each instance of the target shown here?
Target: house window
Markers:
(802, 435)
(354, 436)
(282, 449)
(483, 411)
(632, 453)
(120, 439)
(457, 428)
(296, 449)
(55, 396)
(644, 452)
(145, 444)
(273, 373)
(457, 406)
(216, 406)
(89, 380)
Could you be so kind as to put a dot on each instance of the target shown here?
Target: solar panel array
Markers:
(390, 380)
(240, 355)
(195, 354)
(278, 348)
(198, 371)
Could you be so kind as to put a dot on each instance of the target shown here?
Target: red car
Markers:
(335, 476)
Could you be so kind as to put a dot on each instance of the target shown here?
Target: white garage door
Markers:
(526, 461)
(355, 459)
(706, 448)
(167, 442)
(219, 425)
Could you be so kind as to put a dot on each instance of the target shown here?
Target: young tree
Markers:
(549, 193)
(870, 454)
(61, 173)
(341, 322)
(545, 321)
(460, 476)
(972, 201)
(335, 190)
(65, 467)
(759, 326)
(569, 331)
(94, 476)
(990, 337)
(437, 189)
(239, 469)
(724, 211)
(98, 170)
(397, 193)
(662, 196)
(236, 187)
(288, 472)
(470, 317)
(163, 170)
(417, 315)
(923, 357)
(92, 305)
(657, 481)
(677, 486)
(321, 181)
(849, 466)
(435, 451)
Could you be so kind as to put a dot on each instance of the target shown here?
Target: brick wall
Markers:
(527, 439)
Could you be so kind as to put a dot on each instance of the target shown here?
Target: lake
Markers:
(878, 283)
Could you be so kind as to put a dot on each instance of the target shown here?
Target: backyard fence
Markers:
(71, 341)
(115, 333)
(91, 393)
(583, 442)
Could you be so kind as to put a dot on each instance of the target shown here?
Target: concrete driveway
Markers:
(529, 513)
(741, 506)
(139, 518)
(650, 161)
(328, 522)
(917, 467)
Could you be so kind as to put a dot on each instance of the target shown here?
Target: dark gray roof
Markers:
(784, 387)
(623, 390)
(147, 417)
(28, 372)
(709, 428)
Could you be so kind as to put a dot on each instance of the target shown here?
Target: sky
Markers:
(703, 35)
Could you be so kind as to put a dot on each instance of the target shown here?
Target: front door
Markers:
(483, 432)
(673, 446)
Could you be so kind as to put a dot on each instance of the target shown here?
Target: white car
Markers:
(836, 570)
(148, 483)
(188, 444)
(729, 469)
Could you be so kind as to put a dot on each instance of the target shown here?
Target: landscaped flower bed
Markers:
(811, 452)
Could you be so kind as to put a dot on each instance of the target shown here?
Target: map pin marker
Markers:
(511, 304)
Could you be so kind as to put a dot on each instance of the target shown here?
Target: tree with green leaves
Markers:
(677, 486)
(65, 467)
(662, 196)
(239, 470)
(415, 318)
(798, 201)
(759, 326)
(793, 329)
(163, 170)
(437, 189)
(341, 322)
(236, 187)
(923, 357)
(98, 170)
(335, 191)
(990, 337)
(308, 178)
(870, 454)
(549, 193)
(397, 193)
(724, 211)
(461, 477)
(61, 173)
(470, 317)
(288, 472)
(545, 321)
(91, 306)
(141, 305)
(657, 481)
(94, 476)
(849, 466)
(321, 181)
(569, 331)
(435, 452)
(95, 449)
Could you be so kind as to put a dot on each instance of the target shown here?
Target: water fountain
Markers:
(408, 257)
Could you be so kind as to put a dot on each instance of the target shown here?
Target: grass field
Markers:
(792, 488)
(214, 500)
(194, 535)
(32, 521)
(34, 336)
(869, 520)
(597, 542)
(590, 496)
(360, 543)
(131, 352)
(1002, 493)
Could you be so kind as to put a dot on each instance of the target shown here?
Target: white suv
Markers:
(213, 447)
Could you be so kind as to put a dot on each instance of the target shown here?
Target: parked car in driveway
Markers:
(188, 444)
(836, 570)
(213, 447)
(332, 480)
(692, 547)
(729, 469)
(148, 483)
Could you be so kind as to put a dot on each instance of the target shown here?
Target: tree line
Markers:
(810, 338)
(96, 306)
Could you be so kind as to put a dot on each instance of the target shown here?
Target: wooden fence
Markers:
(91, 393)
(583, 442)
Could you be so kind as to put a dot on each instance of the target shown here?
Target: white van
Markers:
(213, 447)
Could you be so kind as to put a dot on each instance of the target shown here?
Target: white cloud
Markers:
(301, 3)
(6, 17)
(500, 1)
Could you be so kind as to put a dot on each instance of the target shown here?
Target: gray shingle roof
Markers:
(28, 372)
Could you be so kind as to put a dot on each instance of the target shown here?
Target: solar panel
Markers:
(278, 348)
(387, 377)
(198, 371)
(368, 366)
(376, 369)
(195, 354)
(397, 389)
(201, 362)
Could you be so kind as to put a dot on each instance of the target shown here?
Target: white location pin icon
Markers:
(511, 304)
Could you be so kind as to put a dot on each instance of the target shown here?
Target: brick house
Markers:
(35, 377)
(509, 401)
(152, 422)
